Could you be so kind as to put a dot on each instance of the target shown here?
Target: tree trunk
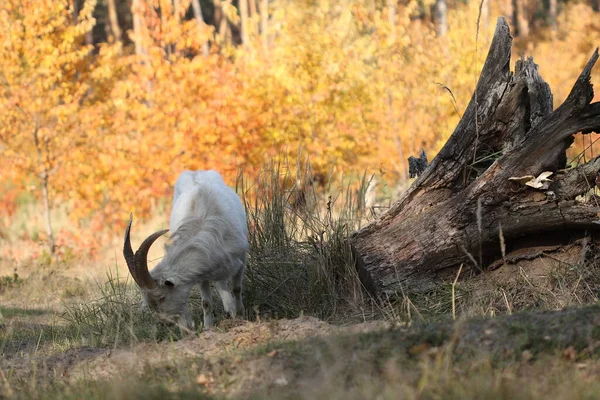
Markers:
(253, 15)
(464, 209)
(392, 6)
(264, 23)
(136, 12)
(224, 30)
(439, 17)
(522, 24)
(89, 35)
(243, 4)
(47, 212)
(200, 21)
(44, 176)
(552, 8)
(114, 21)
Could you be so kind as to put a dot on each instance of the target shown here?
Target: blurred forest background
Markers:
(103, 103)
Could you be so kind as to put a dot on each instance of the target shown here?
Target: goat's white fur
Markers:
(209, 244)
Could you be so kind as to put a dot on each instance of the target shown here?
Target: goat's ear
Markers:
(169, 283)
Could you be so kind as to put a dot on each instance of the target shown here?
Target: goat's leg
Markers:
(207, 304)
(226, 297)
(236, 283)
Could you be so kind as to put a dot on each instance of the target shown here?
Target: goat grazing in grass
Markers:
(209, 244)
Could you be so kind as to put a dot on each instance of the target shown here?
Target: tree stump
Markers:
(489, 190)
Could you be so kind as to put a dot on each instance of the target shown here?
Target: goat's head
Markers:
(159, 293)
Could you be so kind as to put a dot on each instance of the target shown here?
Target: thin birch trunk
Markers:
(264, 23)
(200, 21)
(114, 21)
(440, 11)
(44, 176)
(243, 4)
(552, 11)
(136, 9)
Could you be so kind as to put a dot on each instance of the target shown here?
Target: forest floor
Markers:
(58, 340)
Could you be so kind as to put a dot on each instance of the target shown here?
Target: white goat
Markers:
(209, 244)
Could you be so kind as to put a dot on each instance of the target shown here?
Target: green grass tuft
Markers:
(115, 317)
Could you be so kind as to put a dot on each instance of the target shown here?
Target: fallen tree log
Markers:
(490, 186)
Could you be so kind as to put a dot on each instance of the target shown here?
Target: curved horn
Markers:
(128, 252)
(141, 260)
(138, 263)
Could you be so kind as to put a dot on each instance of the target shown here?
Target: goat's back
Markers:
(205, 194)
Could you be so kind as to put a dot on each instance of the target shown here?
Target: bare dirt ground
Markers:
(202, 355)
(280, 357)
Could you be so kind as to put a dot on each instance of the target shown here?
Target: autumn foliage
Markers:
(104, 127)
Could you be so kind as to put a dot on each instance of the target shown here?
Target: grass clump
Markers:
(10, 281)
(300, 261)
(115, 317)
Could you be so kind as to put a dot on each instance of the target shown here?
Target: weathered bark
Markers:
(455, 212)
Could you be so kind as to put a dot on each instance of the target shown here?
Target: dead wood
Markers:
(460, 206)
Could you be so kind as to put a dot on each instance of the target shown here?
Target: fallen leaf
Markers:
(281, 381)
(203, 380)
(418, 349)
(569, 353)
(526, 355)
